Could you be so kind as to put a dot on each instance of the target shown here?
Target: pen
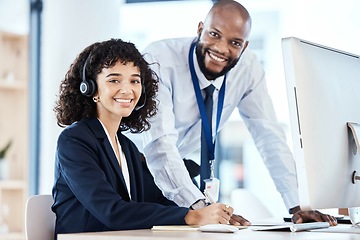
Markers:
(209, 197)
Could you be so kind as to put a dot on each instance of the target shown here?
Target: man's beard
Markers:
(210, 75)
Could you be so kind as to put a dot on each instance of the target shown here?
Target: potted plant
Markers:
(3, 161)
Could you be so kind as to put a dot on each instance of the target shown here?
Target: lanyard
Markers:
(200, 102)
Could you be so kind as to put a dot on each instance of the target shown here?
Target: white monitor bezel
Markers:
(321, 92)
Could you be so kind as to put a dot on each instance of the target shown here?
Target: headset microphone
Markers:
(143, 96)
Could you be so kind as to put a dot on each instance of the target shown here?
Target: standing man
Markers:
(217, 57)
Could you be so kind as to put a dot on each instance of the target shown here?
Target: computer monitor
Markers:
(323, 86)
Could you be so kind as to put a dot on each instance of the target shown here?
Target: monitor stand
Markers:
(354, 212)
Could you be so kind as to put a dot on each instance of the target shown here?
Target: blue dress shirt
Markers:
(176, 129)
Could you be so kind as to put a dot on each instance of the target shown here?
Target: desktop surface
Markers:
(247, 234)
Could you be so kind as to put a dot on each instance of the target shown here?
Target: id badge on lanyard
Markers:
(212, 185)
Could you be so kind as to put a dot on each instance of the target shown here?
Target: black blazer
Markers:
(89, 190)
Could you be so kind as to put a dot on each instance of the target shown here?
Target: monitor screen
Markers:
(323, 86)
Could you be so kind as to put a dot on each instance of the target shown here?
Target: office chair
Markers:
(39, 219)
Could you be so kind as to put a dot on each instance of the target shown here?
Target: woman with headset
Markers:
(98, 186)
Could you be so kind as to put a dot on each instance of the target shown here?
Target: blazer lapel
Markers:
(114, 161)
(99, 132)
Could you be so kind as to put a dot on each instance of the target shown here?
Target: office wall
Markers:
(14, 16)
(68, 27)
(332, 23)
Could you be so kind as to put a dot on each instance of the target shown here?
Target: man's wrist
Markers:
(294, 209)
(201, 203)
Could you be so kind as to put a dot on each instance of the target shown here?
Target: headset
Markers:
(143, 96)
(87, 87)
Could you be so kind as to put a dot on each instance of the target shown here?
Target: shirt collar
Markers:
(203, 82)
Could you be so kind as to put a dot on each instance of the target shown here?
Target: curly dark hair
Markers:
(72, 105)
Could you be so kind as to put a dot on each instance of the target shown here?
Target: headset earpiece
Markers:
(87, 87)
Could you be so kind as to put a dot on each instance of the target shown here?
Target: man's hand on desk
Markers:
(300, 216)
(239, 220)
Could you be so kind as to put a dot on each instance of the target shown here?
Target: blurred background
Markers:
(58, 30)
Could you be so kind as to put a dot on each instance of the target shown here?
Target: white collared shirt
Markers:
(176, 129)
(122, 160)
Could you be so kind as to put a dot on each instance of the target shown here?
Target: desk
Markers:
(245, 234)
